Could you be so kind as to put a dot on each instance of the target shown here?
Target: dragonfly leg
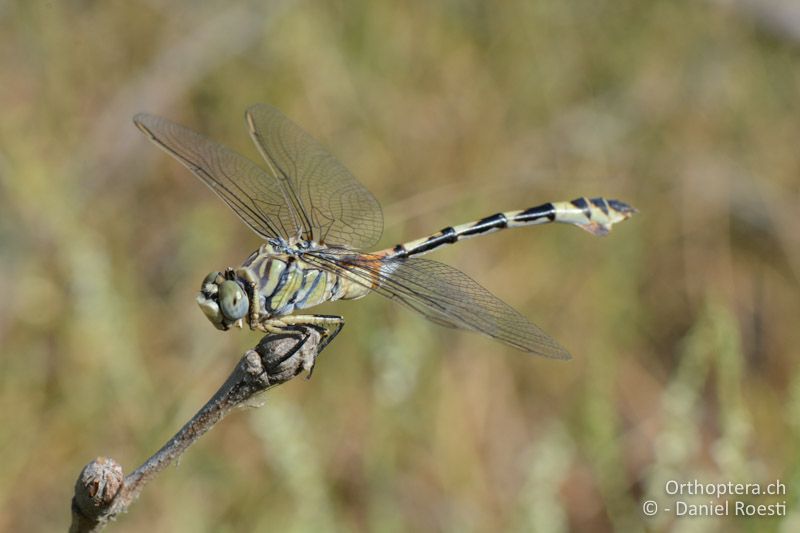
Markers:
(300, 336)
(255, 307)
(328, 327)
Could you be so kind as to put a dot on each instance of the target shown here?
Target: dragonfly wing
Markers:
(255, 196)
(442, 294)
(334, 207)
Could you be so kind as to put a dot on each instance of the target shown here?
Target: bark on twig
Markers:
(101, 491)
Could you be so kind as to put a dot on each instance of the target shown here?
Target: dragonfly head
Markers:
(223, 300)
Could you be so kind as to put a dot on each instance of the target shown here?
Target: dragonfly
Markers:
(317, 220)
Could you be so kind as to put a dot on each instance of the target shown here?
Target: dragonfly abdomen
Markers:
(595, 215)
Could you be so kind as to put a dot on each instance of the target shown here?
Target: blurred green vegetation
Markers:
(682, 321)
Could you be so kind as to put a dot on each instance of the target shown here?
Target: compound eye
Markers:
(210, 280)
(233, 301)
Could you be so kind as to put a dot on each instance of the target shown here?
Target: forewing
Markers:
(253, 194)
(444, 295)
(334, 207)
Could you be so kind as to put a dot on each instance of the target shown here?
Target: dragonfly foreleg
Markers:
(328, 327)
(279, 364)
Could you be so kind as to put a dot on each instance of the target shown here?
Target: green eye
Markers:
(210, 280)
(233, 300)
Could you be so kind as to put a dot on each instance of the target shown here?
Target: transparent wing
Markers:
(334, 207)
(253, 194)
(442, 294)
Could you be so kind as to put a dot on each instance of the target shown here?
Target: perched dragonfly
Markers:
(316, 219)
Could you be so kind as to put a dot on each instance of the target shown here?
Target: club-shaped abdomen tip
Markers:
(603, 214)
(622, 208)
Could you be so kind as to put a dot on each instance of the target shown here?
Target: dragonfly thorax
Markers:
(273, 281)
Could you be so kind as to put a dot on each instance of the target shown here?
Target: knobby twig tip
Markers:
(102, 491)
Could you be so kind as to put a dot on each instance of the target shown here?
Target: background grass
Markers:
(683, 322)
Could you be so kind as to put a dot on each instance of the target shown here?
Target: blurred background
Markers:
(682, 322)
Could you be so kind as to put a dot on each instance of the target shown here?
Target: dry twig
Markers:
(101, 491)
